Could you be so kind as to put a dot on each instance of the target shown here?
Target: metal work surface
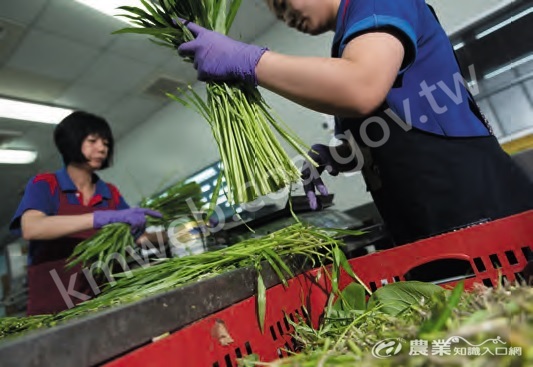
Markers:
(98, 338)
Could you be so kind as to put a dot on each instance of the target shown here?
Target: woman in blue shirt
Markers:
(61, 209)
(431, 162)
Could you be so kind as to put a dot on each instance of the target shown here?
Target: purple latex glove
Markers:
(311, 175)
(220, 58)
(135, 217)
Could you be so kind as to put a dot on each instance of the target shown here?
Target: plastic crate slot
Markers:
(528, 254)
(440, 271)
(288, 347)
(396, 279)
(286, 322)
(238, 352)
(373, 287)
(273, 332)
(295, 345)
(519, 276)
(488, 283)
(280, 352)
(216, 364)
(511, 257)
(227, 359)
(280, 329)
(384, 282)
(495, 261)
(291, 316)
(248, 348)
(479, 265)
(304, 312)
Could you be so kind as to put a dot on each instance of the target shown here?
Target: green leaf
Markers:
(149, 31)
(234, 8)
(352, 297)
(275, 267)
(442, 311)
(218, 17)
(348, 269)
(261, 301)
(155, 14)
(214, 197)
(279, 261)
(395, 298)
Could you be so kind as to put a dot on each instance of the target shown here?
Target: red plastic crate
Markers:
(494, 250)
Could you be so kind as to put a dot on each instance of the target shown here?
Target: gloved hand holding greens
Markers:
(254, 162)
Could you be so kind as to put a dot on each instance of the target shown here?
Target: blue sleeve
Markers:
(400, 16)
(37, 196)
(122, 204)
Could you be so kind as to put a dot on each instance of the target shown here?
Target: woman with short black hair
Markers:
(61, 209)
(72, 131)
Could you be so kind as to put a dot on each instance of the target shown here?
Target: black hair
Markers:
(70, 133)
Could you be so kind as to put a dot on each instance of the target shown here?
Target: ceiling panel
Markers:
(139, 47)
(22, 11)
(22, 84)
(116, 73)
(11, 34)
(132, 111)
(78, 22)
(88, 98)
(44, 53)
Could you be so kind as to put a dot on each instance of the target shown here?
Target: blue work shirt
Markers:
(428, 93)
(40, 195)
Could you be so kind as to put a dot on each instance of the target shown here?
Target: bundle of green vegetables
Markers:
(180, 199)
(495, 324)
(315, 244)
(254, 162)
(113, 245)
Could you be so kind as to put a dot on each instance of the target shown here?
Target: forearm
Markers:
(52, 227)
(327, 85)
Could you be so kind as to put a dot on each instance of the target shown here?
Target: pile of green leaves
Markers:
(255, 163)
(316, 245)
(417, 311)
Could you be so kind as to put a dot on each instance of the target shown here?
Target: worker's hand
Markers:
(334, 159)
(311, 179)
(135, 217)
(220, 58)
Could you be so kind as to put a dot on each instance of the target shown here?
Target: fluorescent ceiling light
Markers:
(459, 46)
(504, 23)
(9, 156)
(27, 111)
(109, 7)
(508, 67)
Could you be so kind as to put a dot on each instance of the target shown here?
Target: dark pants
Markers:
(431, 184)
